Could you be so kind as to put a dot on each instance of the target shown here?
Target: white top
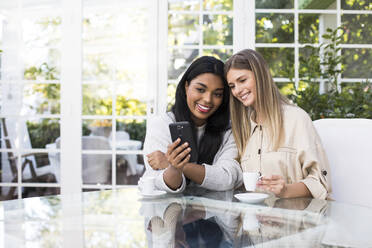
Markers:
(224, 174)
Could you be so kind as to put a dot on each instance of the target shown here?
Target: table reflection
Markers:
(197, 218)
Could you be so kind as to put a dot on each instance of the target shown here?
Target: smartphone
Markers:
(183, 131)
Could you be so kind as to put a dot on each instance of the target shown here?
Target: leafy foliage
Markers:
(338, 101)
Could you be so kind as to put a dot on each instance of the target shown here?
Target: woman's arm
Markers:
(277, 185)
(157, 139)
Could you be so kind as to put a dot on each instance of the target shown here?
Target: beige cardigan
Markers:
(300, 158)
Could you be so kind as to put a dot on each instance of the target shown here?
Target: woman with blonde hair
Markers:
(273, 136)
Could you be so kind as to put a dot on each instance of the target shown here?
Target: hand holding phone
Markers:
(183, 132)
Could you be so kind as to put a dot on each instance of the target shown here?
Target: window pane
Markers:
(179, 60)
(171, 94)
(358, 29)
(42, 39)
(356, 5)
(97, 99)
(280, 61)
(41, 31)
(274, 28)
(309, 62)
(96, 167)
(8, 168)
(358, 102)
(357, 63)
(101, 128)
(218, 5)
(129, 168)
(8, 193)
(41, 99)
(38, 168)
(183, 29)
(42, 64)
(309, 26)
(43, 132)
(317, 4)
(116, 40)
(130, 99)
(39, 191)
(133, 130)
(222, 54)
(183, 5)
(274, 4)
(217, 30)
(98, 66)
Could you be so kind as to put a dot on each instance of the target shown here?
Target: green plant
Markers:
(44, 132)
(337, 100)
(136, 130)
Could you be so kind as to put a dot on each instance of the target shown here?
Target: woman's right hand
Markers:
(178, 155)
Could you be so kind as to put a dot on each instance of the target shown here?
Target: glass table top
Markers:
(197, 218)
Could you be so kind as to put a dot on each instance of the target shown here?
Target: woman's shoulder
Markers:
(297, 119)
(163, 118)
(294, 113)
(227, 134)
(159, 123)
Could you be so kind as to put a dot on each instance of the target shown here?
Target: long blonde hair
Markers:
(268, 101)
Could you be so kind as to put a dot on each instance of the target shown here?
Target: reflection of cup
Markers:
(147, 185)
(250, 222)
(250, 180)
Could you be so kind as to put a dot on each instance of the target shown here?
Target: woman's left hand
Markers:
(274, 184)
(157, 160)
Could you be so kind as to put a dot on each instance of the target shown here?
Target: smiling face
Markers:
(242, 83)
(204, 95)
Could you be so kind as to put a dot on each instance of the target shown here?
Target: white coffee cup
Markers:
(147, 185)
(250, 180)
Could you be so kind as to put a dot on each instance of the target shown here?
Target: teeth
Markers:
(203, 107)
(245, 96)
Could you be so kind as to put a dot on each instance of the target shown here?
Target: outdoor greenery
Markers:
(348, 100)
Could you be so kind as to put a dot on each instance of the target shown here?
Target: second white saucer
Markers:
(251, 197)
(153, 194)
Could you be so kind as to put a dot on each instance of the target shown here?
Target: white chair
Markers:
(123, 142)
(348, 145)
(96, 167)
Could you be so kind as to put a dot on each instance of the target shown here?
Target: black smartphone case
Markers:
(183, 131)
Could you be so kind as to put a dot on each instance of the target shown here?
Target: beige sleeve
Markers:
(315, 169)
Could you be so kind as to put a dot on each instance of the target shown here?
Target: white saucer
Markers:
(154, 194)
(251, 197)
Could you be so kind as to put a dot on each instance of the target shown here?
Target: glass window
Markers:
(217, 30)
(274, 4)
(317, 4)
(218, 5)
(183, 29)
(280, 60)
(178, 5)
(357, 29)
(357, 63)
(356, 5)
(274, 28)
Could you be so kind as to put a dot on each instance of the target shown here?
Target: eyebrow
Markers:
(204, 86)
(240, 77)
